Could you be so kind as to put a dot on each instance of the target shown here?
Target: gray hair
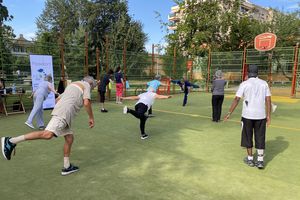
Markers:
(48, 78)
(91, 81)
(218, 74)
(157, 77)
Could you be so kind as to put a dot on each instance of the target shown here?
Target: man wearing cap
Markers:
(76, 95)
(256, 114)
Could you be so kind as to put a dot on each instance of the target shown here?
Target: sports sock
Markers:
(250, 157)
(66, 162)
(260, 154)
(16, 140)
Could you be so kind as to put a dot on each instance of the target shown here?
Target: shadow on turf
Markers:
(275, 147)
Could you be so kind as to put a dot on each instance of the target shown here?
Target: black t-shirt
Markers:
(118, 77)
(104, 82)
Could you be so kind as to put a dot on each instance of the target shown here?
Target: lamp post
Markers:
(159, 48)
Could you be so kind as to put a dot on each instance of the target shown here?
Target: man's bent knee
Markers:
(47, 135)
(69, 138)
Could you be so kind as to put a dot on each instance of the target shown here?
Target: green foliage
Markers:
(286, 27)
(107, 23)
(221, 26)
(6, 33)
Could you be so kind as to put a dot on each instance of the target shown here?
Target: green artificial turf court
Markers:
(186, 156)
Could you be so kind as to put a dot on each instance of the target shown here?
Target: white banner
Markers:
(41, 65)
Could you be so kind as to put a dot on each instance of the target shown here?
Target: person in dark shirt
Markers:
(217, 90)
(119, 84)
(186, 87)
(61, 85)
(102, 88)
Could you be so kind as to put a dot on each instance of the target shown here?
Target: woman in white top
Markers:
(39, 95)
(145, 101)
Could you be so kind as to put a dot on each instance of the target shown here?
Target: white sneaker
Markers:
(274, 107)
(125, 109)
(29, 125)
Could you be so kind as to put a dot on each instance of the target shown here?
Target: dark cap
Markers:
(252, 71)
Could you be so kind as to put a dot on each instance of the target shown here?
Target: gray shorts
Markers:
(58, 126)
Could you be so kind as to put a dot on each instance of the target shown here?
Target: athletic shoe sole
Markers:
(145, 137)
(29, 125)
(2, 147)
(70, 172)
(125, 109)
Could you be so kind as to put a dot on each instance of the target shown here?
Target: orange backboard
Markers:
(189, 65)
(265, 41)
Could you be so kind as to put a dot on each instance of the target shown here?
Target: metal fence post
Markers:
(106, 58)
(124, 67)
(98, 68)
(86, 67)
(296, 53)
(97, 63)
(174, 68)
(152, 67)
(270, 78)
(244, 61)
(62, 54)
(208, 70)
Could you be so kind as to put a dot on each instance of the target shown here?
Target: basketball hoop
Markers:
(265, 42)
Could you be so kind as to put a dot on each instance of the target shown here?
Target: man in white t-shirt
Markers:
(256, 114)
(76, 95)
(144, 103)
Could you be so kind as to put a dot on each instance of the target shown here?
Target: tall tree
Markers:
(6, 34)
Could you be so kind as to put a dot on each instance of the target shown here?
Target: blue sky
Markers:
(25, 13)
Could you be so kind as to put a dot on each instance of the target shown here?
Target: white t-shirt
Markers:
(254, 91)
(147, 98)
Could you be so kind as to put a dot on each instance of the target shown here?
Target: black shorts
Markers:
(256, 127)
(102, 96)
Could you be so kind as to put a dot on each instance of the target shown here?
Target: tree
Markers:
(6, 35)
(100, 19)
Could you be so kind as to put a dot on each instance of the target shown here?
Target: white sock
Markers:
(250, 157)
(66, 162)
(16, 140)
(260, 154)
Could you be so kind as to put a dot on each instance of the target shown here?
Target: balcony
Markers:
(173, 17)
(175, 9)
(173, 28)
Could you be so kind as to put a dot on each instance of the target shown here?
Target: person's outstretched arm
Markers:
(88, 108)
(158, 96)
(234, 104)
(131, 98)
(268, 107)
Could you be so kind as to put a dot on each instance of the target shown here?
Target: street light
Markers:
(159, 48)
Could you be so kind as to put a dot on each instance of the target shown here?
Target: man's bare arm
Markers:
(131, 98)
(234, 104)
(268, 110)
(157, 96)
(88, 107)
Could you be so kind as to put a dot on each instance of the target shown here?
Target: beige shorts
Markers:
(58, 126)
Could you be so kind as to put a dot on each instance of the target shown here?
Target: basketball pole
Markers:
(293, 91)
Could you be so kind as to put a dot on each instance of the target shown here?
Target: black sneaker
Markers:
(69, 170)
(145, 136)
(41, 127)
(250, 163)
(260, 164)
(7, 147)
(104, 111)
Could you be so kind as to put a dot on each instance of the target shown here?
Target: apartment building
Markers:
(253, 11)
